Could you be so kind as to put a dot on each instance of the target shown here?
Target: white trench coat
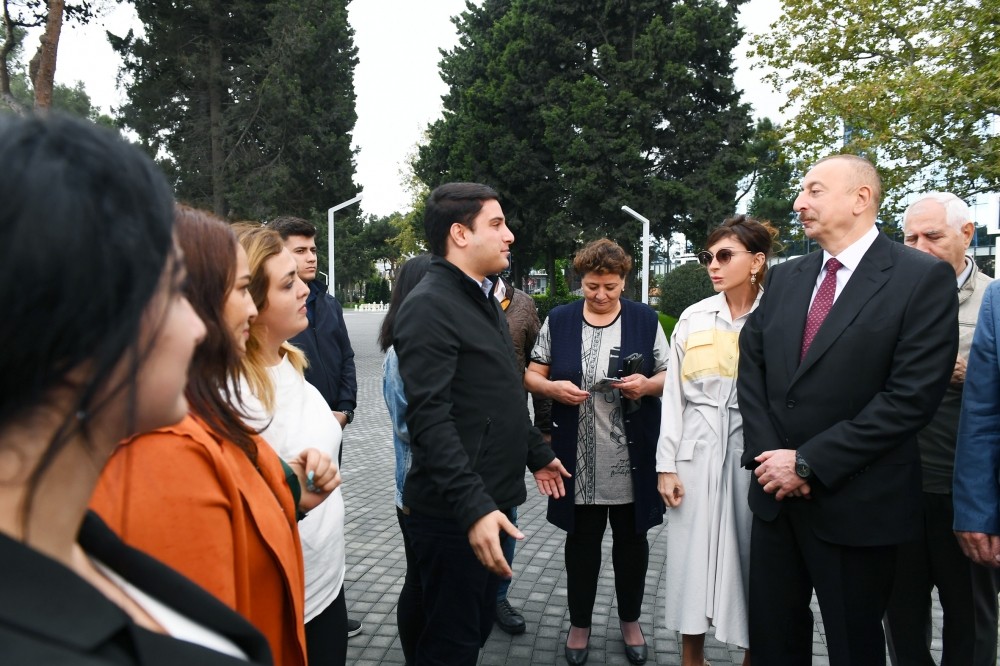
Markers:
(701, 439)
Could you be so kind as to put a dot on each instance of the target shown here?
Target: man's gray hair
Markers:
(956, 211)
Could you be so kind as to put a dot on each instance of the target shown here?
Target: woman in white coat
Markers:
(701, 440)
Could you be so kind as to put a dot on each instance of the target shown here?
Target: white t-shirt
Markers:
(302, 420)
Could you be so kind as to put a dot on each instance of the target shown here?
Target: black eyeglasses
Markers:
(725, 255)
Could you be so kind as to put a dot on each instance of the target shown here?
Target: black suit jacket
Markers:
(872, 378)
(51, 616)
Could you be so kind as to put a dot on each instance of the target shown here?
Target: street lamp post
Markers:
(645, 252)
(329, 220)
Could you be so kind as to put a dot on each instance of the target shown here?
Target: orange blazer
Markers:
(196, 503)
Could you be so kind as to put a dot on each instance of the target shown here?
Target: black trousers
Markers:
(410, 609)
(967, 591)
(629, 556)
(326, 634)
(459, 594)
(788, 561)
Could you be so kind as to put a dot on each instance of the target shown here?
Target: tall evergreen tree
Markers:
(572, 110)
(250, 105)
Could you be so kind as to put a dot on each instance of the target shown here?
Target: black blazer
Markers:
(872, 378)
(49, 615)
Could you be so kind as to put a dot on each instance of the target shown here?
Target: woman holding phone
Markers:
(607, 433)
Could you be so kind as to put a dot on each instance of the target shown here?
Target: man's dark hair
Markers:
(286, 225)
(451, 203)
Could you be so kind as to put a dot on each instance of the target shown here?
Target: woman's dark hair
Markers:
(213, 392)
(410, 274)
(755, 235)
(451, 203)
(602, 256)
(87, 222)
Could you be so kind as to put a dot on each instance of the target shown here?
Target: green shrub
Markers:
(683, 286)
(377, 291)
(545, 303)
(667, 323)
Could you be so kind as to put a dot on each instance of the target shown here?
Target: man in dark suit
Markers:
(845, 359)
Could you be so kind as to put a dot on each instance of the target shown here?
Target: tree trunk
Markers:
(218, 156)
(6, 96)
(47, 51)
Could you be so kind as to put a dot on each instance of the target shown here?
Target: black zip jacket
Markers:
(470, 432)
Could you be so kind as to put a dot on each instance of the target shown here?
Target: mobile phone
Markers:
(606, 384)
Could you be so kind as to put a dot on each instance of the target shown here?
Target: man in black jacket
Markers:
(325, 341)
(468, 420)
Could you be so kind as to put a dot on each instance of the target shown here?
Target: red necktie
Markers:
(821, 305)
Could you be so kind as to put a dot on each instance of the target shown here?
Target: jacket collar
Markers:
(83, 619)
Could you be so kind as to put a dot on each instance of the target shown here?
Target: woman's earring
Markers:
(753, 278)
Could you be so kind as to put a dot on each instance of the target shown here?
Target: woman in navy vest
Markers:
(602, 362)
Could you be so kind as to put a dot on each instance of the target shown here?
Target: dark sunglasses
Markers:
(725, 255)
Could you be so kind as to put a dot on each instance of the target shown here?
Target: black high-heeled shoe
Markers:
(636, 654)
(577, 656)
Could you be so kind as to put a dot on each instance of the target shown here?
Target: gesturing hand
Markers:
(484, 537)
(549, 479)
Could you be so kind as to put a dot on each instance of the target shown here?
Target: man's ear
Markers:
(863, 198)
(968, 230)
(459, 234)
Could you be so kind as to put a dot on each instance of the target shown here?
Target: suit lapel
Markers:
(796, 306)
(869, 277)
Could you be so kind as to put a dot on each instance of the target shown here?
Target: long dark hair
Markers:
(213, 388)
(410, 274)
(87, 222)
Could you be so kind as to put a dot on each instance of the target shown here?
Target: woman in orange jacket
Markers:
(207, 495)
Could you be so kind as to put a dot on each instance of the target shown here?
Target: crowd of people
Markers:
(173, 401)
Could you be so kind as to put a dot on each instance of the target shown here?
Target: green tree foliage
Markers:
(572, 109)
(774, 183)
(916, 85)
(683, 286)
(249, 104)
(377, 291)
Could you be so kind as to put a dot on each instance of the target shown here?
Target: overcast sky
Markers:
(397, 83)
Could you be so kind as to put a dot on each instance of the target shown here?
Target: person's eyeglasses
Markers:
(724, 256)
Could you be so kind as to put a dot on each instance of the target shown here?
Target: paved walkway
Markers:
(375, 562)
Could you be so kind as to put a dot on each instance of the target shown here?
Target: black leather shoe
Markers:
(578, 657)
(636, 654)
(509, 619)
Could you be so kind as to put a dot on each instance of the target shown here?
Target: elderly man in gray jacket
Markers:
(940, 224)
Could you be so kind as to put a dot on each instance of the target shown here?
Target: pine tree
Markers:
(249, 105)
(572, 110)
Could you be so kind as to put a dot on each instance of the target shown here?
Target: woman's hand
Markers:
(633, 387)
(318, 476)
(638, 385)
(670, 487)
(536, 381)
(567, 392)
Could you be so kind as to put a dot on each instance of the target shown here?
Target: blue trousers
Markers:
(508, 554)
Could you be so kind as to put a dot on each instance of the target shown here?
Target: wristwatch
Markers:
(349, 413)
(802, 468)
